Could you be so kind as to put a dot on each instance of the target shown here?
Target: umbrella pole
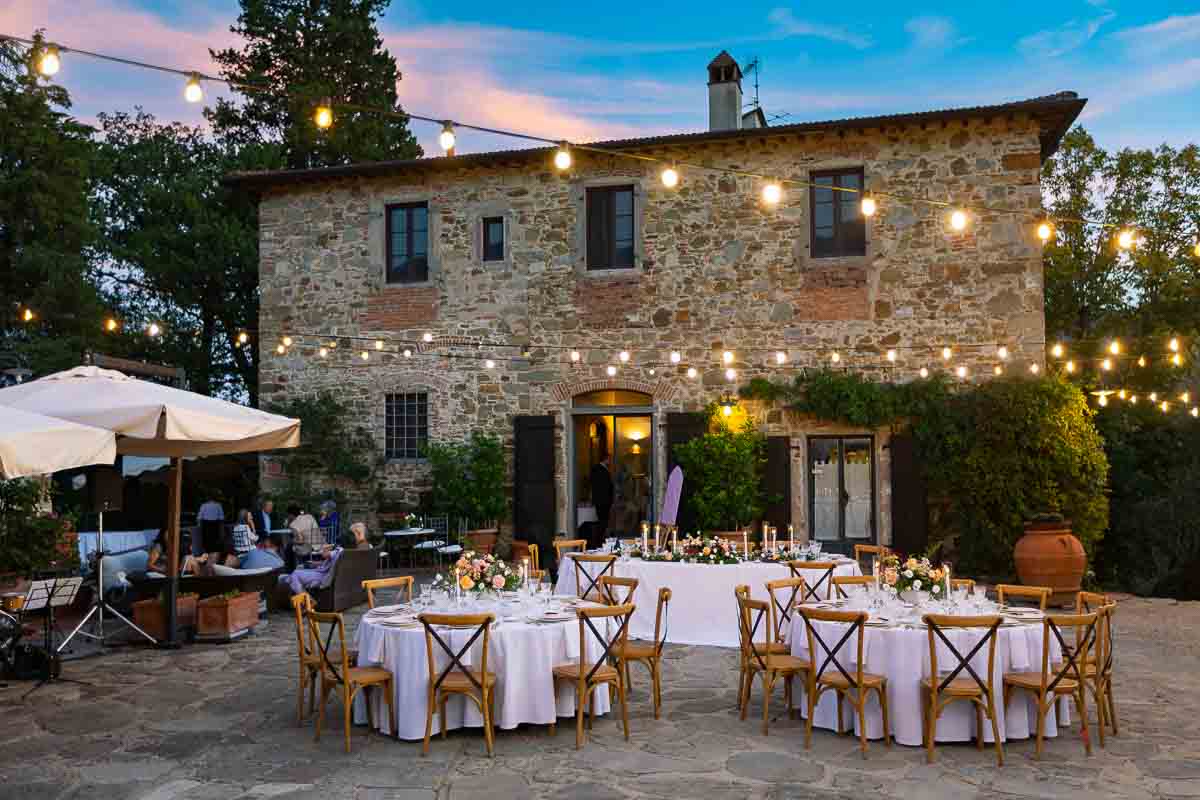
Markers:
(174, 503)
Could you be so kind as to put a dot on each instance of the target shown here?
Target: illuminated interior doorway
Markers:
(614, 425)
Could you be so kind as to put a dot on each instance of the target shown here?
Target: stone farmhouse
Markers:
(515, 286)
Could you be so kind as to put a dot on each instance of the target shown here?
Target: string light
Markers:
(111, 325)
(1034, 368)
(947, 353)
(780, 357)
(287, 341)
(869, 206)
(1186, 397)
(772, 193)
(1195, 412)
(323, 116)
(407, 353)
(691, 372)
(670, 177)
(490, 364)
(1133, 399)
(1114, 347)
(447, 138)
(652, 370)
(1165, 406)
(243, 337)
(1126, 239)
(575, 355)
(562, 157)
(280, 349)
(1002, 353)
(1103, 400)
(323, 352)
(1141, 362)
(365, 356)
(958, 220)
(835, 357)
(727, 357)
(1045, 231)
(1057, 350)
(1121, 394)
(731, 374)
(1173, 345)
(623, 356)
(998, 370)
(1070, 365)
(193, 92)
(48, 61)
(961, 372)
(675, 356)
(427, 337)
(1106, 364)
(378, 344)
(154, 329)
(1154, 397)
(891, 356)
(27, 315)
(1177, 360)
(924, 373)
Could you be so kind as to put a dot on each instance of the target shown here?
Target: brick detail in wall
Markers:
(832, 293)
(662, 391)
(609, 303)
(396, 308)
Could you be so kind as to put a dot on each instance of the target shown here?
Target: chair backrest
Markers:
(617, 591)
(876, 551)
(812, 589)
(754, 615)
(585, 582)
(662, 618)
(609, 641)
(302, 604)
(480, 623)
(568, 545)
(404, 582)
(535, 563)
(785, 595)
(841, 581)
(1105, 609)
(962, 583)
(335, 661)
(1074, 655)
(1086, 602)
(1039, 593)
(824, 656)
(937, 626)
(440, 527)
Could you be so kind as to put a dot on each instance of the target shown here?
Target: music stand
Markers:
(47, 595)
(100, 605)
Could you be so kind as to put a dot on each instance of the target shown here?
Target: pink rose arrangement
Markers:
(477, 572)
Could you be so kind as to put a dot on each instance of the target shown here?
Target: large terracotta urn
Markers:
(1048, 554)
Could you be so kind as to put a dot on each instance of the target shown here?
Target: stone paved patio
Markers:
(218, 721)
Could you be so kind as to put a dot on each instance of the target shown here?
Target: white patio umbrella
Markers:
(34, 444)
(154, 420)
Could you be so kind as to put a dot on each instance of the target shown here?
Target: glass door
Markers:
(841, 491)
(632, 474)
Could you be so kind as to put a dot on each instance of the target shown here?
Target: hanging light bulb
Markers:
(1070, 365)
(924, 373)
(27, 315)
(1141, 362)
(780, 357)
(1154, 397)
(727, 410)
(731, 374)
(772, 193)
(407, 353)
(1186, 397)
(891, 356)
(193, 92)
(869, 206)
(958, 220)
(1103, 400)
(562, 156)
(1126, 239)
(323, 116)
(727, 357)
(1196, 250)
(691, 372)
(999, 370)
(1114, 347)
(611, 370)
(287, 341)
(1165, 406)
(154, 329)
(1106, 364)
(575, 355)
(1121, 394)
(1195, 412)
(652, 370)
(1034, 368)
(670, 177)
(446, 138)
(323, 352)
(111, 325)
(623, 356)
(378, 344)
(490, 364)
(835, 356)
(675, 356)
(365, 356)
(48, 61)
(1133, 399)
(427, 337)
(1045, 231)
(1057, 350)
(1177, 360)
(961, 372)
(243, 337)
(1002, 353)
(1173, 345)
(280, 349)
(333, 345)
(947, 353)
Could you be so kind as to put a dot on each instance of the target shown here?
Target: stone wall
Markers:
(716, 270)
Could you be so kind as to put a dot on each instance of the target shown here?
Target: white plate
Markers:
(387, 609)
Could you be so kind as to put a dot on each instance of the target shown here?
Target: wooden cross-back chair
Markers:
(457, 678)
(876, 551)
(763, 658)
(616, 591)
(954, 685)
(961, 583)
(850, 684)
(1064, 679)
(840, 581)
(535, 558)
(784, 594)
(1040, 594)
(337, 672)
(310, 663)
(812, 589)
(1099, 667)
(403, 584)
(586, 584)
(589, 675)
(568, 546)
(650, 654)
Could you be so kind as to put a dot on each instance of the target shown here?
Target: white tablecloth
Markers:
(520, 654)
(703, 610)
(902, 655)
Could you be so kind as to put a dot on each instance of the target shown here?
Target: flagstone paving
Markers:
(213, 721)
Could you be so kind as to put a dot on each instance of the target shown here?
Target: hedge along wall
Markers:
(996, 453)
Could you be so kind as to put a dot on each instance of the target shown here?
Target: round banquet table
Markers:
(521, 654)
(703, 610)
(901, 654)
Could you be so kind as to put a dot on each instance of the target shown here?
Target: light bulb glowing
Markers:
(1196, 250)
(378, 344)
(154, 329)
(891, 356)
(675, 356)
(287, 341)
(1106, 364)
(1133, 399)
(575, 355)
(323, 352)
(1070, 365)
(1114, 347)
(691, 372)
(1141, 362)
(1177, 360)
(1002, 352)
(958, 220)
(780, 357)
(193, 92)
(243, 337)
(427, 337)
(1154, 397)
(323, 116)
(447, 138)
(947, 353)
(869, 206)
(407, 353)
(111, 325)
(835, 357)
(27, 315)
(623, 356)
(1165, 406)
(1103, 400)
(1121, 394)
(961, 372)
(490, 364)
(1195, 412)
(1034, 368)
(1186, 397)
(727, 357)
(924, 373)
(365, 356)
(1057, 351)
(731, 374)
(670, 177)
(772, 193)
(999, 370)
(1126, 239)
(1045, 231)
(1173, 345)
(611, 371)
(280, 349)
(652, 370)
(562, 158)
(49, 63)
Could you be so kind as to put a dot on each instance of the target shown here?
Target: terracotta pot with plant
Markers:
(226, 616)
(150, 615)
(1049, 554)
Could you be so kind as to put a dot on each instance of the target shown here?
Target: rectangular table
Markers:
(703, 610)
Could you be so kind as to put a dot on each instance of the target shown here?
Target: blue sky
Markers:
(609, 70)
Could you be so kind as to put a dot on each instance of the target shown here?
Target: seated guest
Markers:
(244, 535)
(312, 577)
(306, 534)
(359, 531)
(156, 559)
(269, 555)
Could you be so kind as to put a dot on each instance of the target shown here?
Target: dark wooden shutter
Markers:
(534, 513)
(600, 224)
(777, 480)
(910, 515)
(683, 427)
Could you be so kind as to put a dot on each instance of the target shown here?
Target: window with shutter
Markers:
(836, 225)
(408, 243)
(610, 227)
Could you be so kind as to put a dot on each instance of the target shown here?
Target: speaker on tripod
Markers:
(106, 489)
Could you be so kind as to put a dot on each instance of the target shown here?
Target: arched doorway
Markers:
(611, 456)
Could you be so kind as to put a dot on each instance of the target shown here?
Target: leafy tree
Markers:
(180, 247)
(725, 469)
(317, 49)
(468, 479)
(46, 232)
(30, 540)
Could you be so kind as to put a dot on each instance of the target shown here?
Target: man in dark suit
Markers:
(265, 523)
(602, 499)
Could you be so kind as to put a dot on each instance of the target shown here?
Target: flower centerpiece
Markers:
(409, 520)
(475, 572)
(699, 550)
(650, 554)
(912, 577)
(781, 555)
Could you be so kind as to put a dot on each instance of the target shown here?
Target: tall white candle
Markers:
(791, 538)
(656, 545)
(674, 539)
(745, 543)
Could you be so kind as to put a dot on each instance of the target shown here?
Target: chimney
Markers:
(724, 93)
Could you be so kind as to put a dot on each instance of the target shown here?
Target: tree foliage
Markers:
(29, 539)
(317, 49)
(468, 479)
(724, 470)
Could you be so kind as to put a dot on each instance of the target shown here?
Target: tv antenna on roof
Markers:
(755, 66)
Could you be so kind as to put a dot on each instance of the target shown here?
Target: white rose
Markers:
(936, 589)
(908, 573)
(916, 584)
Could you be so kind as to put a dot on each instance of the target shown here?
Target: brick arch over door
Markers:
(659, 391)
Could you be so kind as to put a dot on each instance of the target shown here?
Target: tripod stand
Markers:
(99, 605)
